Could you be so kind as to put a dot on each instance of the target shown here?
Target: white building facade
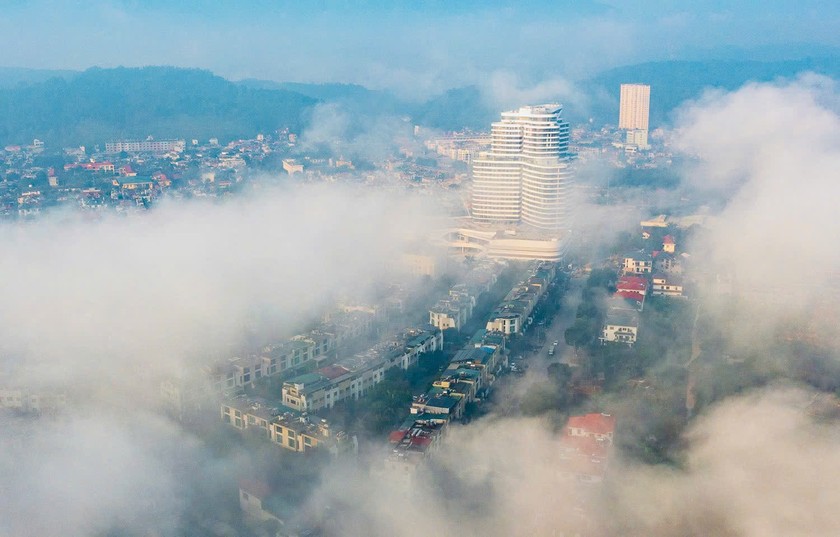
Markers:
(526, 176)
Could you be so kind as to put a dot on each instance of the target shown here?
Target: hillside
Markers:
(11, 77)
(90, 107)
(674, 82)
(102, 104)
(456, 109)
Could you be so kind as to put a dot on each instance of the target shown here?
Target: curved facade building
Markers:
(526, 175)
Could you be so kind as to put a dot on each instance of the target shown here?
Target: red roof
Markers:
(333, 371)
(396, 436)
(632, 283)
(667, 239)
(593, 423)
(422, 441)
(631, 295)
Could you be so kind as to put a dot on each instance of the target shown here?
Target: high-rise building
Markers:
(634, 113)
(634, 108)
(526, 175)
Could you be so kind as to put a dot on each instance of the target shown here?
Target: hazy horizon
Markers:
(433, 46)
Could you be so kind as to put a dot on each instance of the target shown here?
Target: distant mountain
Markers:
(91, 107)
(674, 82)
(452, 110)
(11, 77)
(455, 109)
(101, 104)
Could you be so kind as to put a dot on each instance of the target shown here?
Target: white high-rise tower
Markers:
(526, 175)
(634, 112)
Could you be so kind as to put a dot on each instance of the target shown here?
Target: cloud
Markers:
(505, 90)
(102, 308)
(92, 471)
(758, 465)
(117, 297)
(771, 151)
(370, 135)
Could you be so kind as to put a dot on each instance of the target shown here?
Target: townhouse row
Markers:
(190, 392)
(285, 427)
(514, 314)
(354, 377)
(466, 379)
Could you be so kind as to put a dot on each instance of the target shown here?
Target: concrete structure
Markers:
(353, 377)
(255, 500)
(454, 310)
(414, 441)
(638, 263)
(292, 166)
(637, 138)
(620, 326)
(506, 244)
(659, 221)
(669, 245)
(28, 401)
(145, 146)
(666, 285)
(526, 175)
(513, 315)
(285, 427)
(601, 427)
(585, 447)
(634, 113)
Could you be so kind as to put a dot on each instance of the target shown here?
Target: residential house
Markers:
(620, 326)
(669, 245)
(638, 263)
(414, 441)
(667, 285)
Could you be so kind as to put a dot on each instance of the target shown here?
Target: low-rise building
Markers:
(292, 166)
(354, 377)
(667, 285)
(415, 441)
(453, 311)
(585, 447)
(620, 326)
(638, 263)
(665, 262)
(31, 401)
(284, 426)
(301, 433)
(669, 244)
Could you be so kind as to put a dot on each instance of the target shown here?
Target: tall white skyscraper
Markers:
(634, 107)
(634, 113)
(526, 176)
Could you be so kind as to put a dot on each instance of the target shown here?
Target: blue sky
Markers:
(412, 47)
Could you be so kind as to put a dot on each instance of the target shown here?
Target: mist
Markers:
(770, 150)
(101, 308)
(430, 47)
(758, 459)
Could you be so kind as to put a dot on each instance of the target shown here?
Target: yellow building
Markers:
(300, 433)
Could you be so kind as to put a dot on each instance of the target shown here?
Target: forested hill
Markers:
(674, 82)
(97, 105)
(102, 104)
